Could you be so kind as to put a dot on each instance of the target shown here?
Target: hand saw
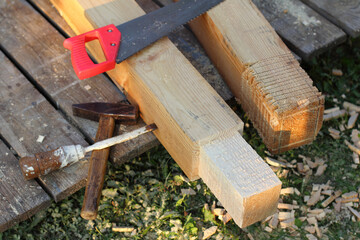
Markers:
(122, 41)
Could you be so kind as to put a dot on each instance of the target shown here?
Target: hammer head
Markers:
(119, 111)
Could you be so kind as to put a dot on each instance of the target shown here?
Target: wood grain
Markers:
(51, 70)
(191, 118)
(303, 30)
(20, 199)
(344, 13)
(190, 47)
(275, 92)
(24, 116)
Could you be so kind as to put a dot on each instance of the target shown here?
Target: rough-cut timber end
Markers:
(275, 92)
(288, 110)
(249, 194)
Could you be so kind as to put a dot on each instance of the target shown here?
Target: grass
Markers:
(146, 194)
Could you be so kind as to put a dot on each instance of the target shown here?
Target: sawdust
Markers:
(299, 12)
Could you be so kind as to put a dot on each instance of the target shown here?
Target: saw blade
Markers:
(141, 32)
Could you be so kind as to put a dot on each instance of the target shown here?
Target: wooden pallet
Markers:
(38, 89)
(311, 27)
(194, 124)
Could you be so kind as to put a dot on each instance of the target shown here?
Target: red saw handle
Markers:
(109, 37)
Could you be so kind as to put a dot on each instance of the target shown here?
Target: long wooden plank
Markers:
(273, 89)
(344, 13)
(51, 68)
(305, 31)
(24, 116)
(20, 199)
(185, 41)
(195, 125)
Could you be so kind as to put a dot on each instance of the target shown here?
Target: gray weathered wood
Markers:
(343, 13)
(24, 116)
(52, 15)
(305, 32)
(52, 70)
(19, 199)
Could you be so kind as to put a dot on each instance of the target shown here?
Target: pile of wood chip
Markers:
(310, 216)
(323, 200)
(353, 111)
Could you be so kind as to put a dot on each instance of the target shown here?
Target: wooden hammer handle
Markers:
(97, 170)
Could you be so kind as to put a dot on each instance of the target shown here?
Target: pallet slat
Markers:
(20, 199)
(345, 13)
(51, 69)
(305, 31)
(23, 116)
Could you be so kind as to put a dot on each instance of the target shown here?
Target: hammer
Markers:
(106, 114)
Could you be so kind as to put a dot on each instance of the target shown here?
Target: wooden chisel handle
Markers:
(97, 170)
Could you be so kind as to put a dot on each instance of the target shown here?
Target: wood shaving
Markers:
(330, 110)
(311, 164)
(351, 107)
(268, 229)
(314, 198)
(287, 223)
(331, 199)
(209, 232)
(355, 157)
(320, 170)
(352, 147)
(310, 237)
(289, 190)
(188, 191)
(276, 163)
(310, 229)
(225, 218)
(327, 192)
(347, 200)
(285, 206)
(122, 229)
(284, 215)
(337, 72)
(40, 139)
(274, 221)
(250, 236)
(87, 87)
(333, 115)
(352, 120)
(355, 213)
(219, 211)
(348, 195)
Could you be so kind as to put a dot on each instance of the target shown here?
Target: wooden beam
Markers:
(195, 125)
(276, 93)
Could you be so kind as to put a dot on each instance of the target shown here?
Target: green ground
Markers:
(146, 192)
